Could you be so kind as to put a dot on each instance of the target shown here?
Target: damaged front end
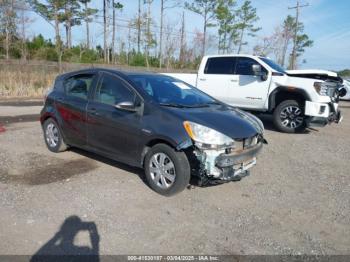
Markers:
(213, 165)
(216, 157)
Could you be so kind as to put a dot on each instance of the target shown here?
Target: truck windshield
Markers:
(273, 65)
(169, 91)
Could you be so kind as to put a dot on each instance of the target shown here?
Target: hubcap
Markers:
(51, 135)
(162, 170)
(291, 117)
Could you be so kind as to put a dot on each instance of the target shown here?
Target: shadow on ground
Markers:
(62, 246)
(131, 169)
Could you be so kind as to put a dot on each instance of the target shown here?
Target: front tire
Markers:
(289, 117)
(167, 171)
(53, 137)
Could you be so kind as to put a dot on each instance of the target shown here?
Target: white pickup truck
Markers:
(297, 99)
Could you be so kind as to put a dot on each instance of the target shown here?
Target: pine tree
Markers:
(206, 9)
(225, 16)
(52, 10)
(86, 15)
(246, 17)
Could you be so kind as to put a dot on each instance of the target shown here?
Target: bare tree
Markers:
(115, 6)
(163, 7)
(24, 22)
(8, 23)
(182, 55)
(170, 44)
(106, 4)
(139, 27)
(86, 15)
(71, 17)
(265, 47)
(149, 36)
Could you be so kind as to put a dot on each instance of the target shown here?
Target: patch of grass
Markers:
(26, 83)
(34, 78)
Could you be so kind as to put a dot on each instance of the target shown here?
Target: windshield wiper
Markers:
(214, 103)
(171, 105)
(184, 106)
(197, 105)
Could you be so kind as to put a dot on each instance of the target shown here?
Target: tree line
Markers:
(227, 27)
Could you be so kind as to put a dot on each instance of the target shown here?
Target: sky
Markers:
(326, 22)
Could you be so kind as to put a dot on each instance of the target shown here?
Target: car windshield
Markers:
(168, 91)
(273, 65)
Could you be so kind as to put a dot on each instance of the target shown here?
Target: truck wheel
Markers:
(53, 138)
(288, 117)
(167, 171)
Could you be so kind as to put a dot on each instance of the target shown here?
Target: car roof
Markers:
(110, 70)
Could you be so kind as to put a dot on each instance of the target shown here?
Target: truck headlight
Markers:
(207, 136)
(321, 88)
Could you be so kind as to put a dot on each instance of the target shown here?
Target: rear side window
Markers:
(244, 66)
(220, 65)
(112, 90)
(78, 85)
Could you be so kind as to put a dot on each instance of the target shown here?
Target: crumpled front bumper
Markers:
(221, 167)
(236, 165)
(321, 114)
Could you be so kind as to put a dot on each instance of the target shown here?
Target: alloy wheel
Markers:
(291, 117)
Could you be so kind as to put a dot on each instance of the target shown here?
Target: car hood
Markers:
(232, 122)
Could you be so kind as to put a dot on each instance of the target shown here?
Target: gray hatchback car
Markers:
(171, 129)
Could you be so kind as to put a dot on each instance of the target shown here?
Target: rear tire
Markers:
(288, 117)
(167, 171)
(53, 137)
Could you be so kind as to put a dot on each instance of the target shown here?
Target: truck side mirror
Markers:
(257, 70)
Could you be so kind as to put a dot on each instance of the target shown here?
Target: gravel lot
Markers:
(296, 201)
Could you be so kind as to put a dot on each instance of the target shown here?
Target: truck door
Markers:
(249, 90)
(217, 76)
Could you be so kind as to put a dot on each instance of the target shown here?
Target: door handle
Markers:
(202, 79)
(93, 111)
(234, 80)
(60, 98)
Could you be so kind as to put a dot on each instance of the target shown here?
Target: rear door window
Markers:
(78, 85)
(220, 65)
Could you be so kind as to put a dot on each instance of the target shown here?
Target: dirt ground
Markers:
(296, 201)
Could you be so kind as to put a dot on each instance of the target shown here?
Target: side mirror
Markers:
(342, 91)
(259, 72)
(127, 106)
(256, 70)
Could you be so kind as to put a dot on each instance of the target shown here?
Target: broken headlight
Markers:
(321, 88)
(207, 137)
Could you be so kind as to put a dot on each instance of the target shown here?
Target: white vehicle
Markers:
(297, 99)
